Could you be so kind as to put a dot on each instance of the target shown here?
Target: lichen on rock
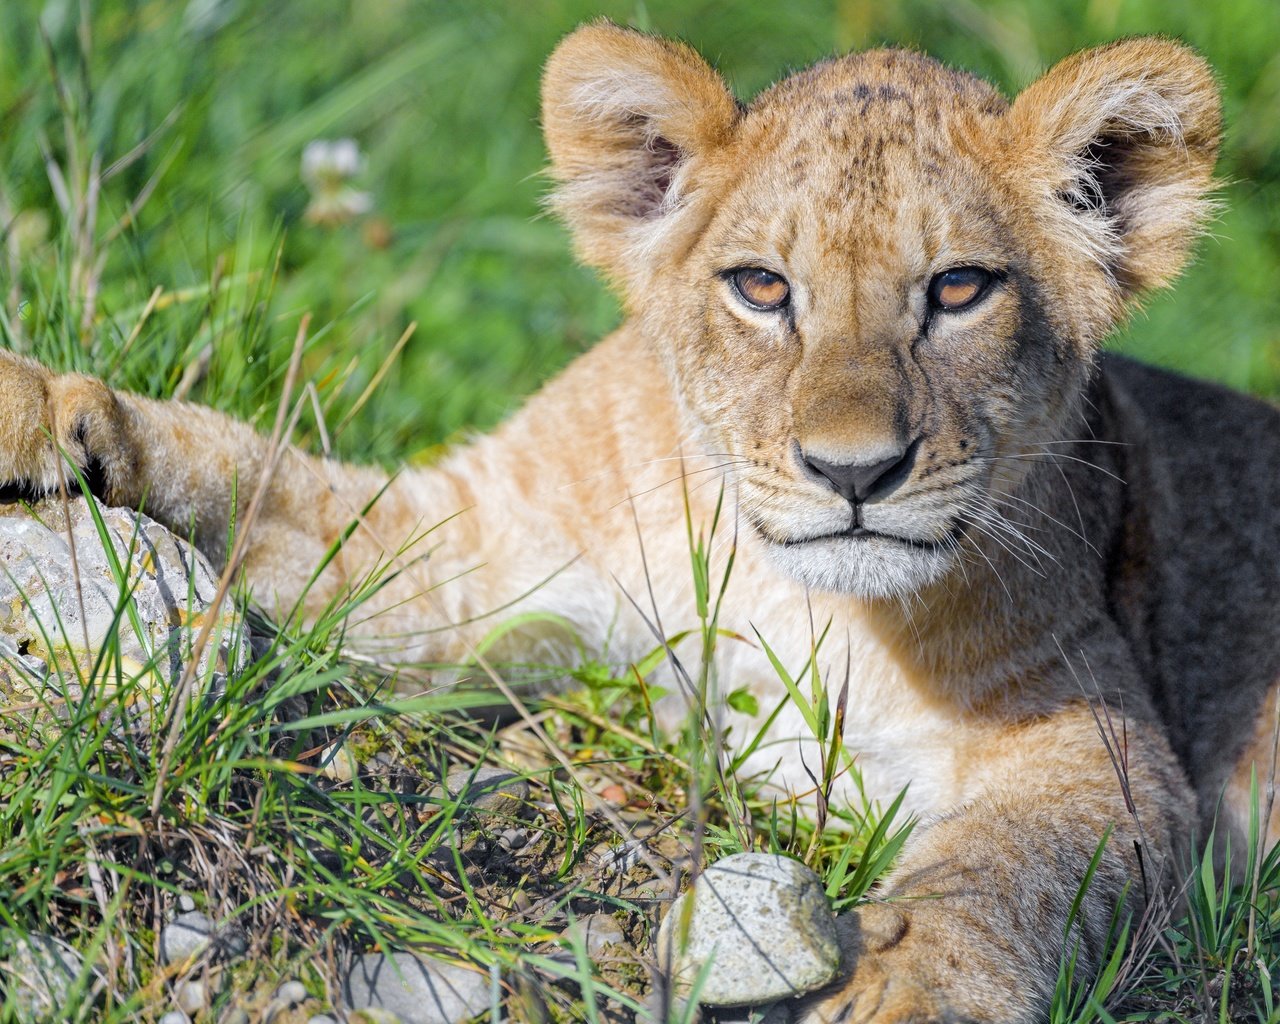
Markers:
(74, 609)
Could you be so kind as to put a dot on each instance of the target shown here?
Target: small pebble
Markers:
(186, 936)
(489, 789)
(322, 1018)
(175, 1017)
(338, 763)
(614, 860)
(759, 929)
(614, 793)
(597, 932)
(513, 838)
(185, 903)
(191, 996)
(292, 992)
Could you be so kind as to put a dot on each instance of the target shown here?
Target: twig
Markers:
(147, 310)
(377, 378)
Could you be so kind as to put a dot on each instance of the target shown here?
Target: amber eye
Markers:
(761, 289)
(955, 289)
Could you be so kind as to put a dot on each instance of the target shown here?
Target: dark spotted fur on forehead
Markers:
(921, 85)
(883, 106)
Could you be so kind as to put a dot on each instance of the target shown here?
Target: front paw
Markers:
(44, 416)
(902, 964)
(881, 980)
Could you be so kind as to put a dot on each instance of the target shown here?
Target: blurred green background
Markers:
(156, 144)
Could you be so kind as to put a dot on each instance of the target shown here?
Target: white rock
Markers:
(291, 993)
(191, 996)
(418, 990)
(175, 1017)
(43, 632)
(186, 936)
(760, 927)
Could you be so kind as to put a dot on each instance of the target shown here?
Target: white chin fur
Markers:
(865, 567)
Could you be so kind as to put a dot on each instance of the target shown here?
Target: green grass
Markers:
(153, 231)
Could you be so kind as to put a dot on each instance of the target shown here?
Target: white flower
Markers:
(326, 167)
(326, 160)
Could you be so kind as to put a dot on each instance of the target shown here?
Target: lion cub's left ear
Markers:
(1123, 139)
(625, 116)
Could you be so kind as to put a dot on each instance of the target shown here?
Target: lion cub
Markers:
(868, 307)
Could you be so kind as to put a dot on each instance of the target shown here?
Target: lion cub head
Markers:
(879, 283)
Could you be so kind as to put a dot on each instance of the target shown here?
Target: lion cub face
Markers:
(879, 287)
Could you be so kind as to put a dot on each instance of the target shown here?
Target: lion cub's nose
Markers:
(859, 482)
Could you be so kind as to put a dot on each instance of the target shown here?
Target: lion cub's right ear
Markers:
(626, 116)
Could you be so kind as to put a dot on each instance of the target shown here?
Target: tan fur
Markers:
(1062, 620)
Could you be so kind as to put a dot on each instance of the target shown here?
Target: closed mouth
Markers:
(862, 533)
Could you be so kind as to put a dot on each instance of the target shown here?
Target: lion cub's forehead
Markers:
(834, 155)
(868, 115)
(894, 84)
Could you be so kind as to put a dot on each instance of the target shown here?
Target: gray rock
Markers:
(40, 971)
(321, 1018)
(44, 637)
(291, 993)
(175, 1017)
(489, 789)
(416, 989)
(191, 995)
(185, 903)
(596, 932)
(760, 927)
(194, 932)
(186, 937)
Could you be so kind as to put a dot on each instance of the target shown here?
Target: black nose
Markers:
(859, 482)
